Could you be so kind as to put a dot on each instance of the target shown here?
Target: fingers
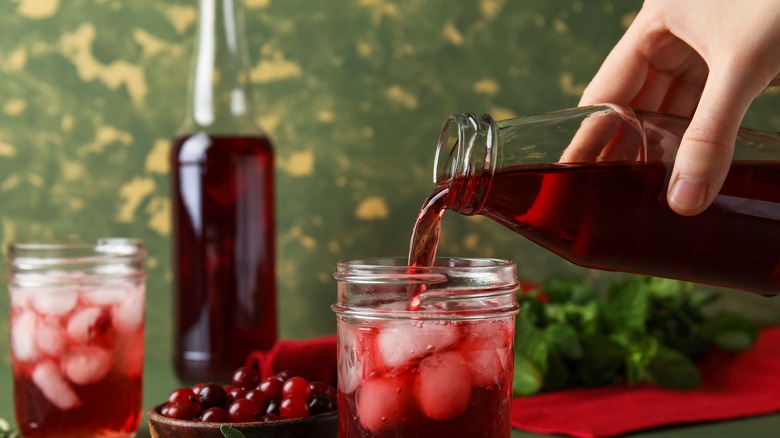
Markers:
(622, 73)
(707, 147)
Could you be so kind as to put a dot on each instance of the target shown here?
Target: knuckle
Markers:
(710, 136)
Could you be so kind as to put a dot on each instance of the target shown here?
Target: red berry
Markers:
(246, 377)
(293, 406)
(212, 396)
(243, 410)
(184, 396)
(271, 388)
(235, 394)
(284, 375)
(273, 407)
(322, 388)
(215, 415)
(270, 417)
(320, 404)
(180, 411)
(196, 389)
(296, 386)
(257, 396)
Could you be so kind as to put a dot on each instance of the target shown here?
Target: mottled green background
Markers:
(352, 92)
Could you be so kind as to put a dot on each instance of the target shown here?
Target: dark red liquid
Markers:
(486, 417)
(108, 407)
(614, 216)
(224, 253)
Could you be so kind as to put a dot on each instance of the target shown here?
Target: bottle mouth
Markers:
(466, 151)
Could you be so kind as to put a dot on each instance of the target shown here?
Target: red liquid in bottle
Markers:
(224, 275)
(614, 216)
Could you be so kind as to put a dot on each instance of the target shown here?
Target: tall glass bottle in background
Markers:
(223, 209)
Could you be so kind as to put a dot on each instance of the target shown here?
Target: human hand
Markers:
(703, 59)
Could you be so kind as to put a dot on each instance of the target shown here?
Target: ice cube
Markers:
(23, 329)
(130, 355)
(86, 325)
(356, 358)
(48, 379)
(49, 337)
(20, 297)
(443, 386)
(488, 351)
(54, 301)
(87, 364)
(402, 342)
(485, 361)
(129, 315)
(382, 402)
(107, 295)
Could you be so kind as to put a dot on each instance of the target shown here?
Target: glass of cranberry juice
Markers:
(442, 368)
(77, 337)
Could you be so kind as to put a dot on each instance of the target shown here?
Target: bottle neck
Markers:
(465, 161)
(220, 99)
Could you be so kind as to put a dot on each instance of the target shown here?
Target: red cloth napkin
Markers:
(733, 386)
(312, 359)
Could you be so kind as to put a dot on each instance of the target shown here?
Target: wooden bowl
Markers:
(315, 426)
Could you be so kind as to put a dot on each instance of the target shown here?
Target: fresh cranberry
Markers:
(270, 417)
(215, 415)
(271, 388)
(235, 394)
(180, 411)
(322, 388)
(284, 375)
(212, 395)
(257, 396)
(184, 396)
(246, 377)
(293, 406)
(296, 386)
(196, 389)
(320, 404)
(243, 410)
(273, 407)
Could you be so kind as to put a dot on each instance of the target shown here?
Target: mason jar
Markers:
(425, 351)
(77, 337)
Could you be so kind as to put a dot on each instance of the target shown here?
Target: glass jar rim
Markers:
(26, 259)
(452, 280)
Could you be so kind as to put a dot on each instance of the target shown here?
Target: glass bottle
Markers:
(590, 185)
(223, 209)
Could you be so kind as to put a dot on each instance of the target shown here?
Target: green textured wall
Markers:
(352, 92)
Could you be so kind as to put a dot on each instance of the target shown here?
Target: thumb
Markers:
(707, 147)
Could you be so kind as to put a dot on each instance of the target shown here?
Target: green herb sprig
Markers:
(644, 329)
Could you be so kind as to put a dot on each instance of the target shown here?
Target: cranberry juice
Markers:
(77, 356)
(224, 251)
(425, 378)
(614, 216)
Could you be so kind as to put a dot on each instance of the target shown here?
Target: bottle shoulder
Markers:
(203, 147)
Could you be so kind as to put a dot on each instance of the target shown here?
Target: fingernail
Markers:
(688, 194)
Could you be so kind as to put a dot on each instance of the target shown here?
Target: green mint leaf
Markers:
(627, 304)
(567, 289)
(564, 340)
(731, 332)
(602, 361)
(527, 378)
(671, 369)
(557, 375)
(230, 432)
(530, 342)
